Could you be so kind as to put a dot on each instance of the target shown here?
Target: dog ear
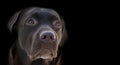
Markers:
(64, 32)
(13, 20)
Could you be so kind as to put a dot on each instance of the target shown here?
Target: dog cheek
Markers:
(24, 41)
(56, 46)
(59, 37)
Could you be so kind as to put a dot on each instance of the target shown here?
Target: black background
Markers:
(83, 22)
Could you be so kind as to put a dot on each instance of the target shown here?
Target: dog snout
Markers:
(47, 36)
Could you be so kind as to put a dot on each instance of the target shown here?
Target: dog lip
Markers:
(44, 54)
(45, 57)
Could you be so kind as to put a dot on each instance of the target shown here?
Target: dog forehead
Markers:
(42, 11)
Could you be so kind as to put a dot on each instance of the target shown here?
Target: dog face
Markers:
(40, 32)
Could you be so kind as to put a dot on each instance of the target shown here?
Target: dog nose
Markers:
(47, 36)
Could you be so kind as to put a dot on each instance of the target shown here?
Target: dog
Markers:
(40, 33)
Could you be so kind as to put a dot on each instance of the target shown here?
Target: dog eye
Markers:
(31, 22)
(56, 24)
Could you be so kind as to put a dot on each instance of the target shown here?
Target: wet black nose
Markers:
(47, 36)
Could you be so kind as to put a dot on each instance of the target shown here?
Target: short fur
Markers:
(27, 43)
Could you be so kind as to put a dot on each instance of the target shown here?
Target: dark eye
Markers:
(31, 22)
(57, 24)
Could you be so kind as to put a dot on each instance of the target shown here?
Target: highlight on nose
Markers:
(47, 36)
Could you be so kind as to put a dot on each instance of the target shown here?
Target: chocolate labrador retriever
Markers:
(40, 34)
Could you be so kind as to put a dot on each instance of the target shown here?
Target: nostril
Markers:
(52, 37)
(43, 37)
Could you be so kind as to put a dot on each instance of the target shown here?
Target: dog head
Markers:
(40, 32)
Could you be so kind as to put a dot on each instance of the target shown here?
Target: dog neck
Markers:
(19, 57)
